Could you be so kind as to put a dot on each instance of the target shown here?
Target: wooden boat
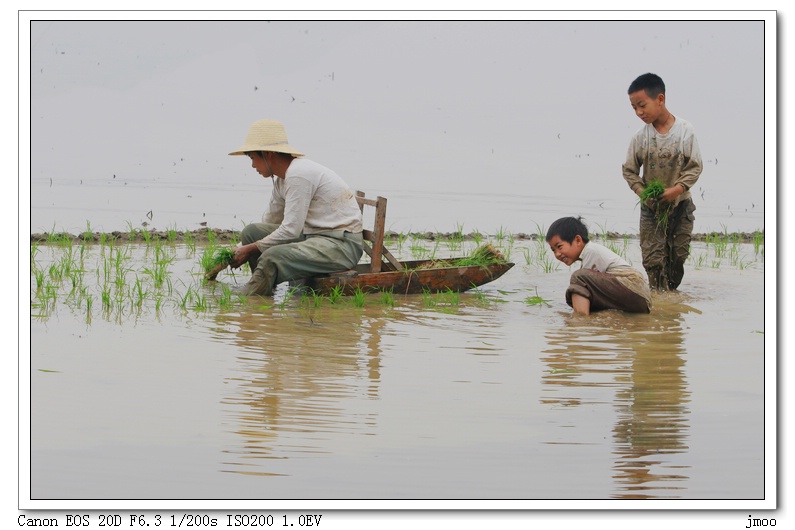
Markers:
(385, 273)
(415, 277)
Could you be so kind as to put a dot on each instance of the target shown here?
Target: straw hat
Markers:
(266, 135)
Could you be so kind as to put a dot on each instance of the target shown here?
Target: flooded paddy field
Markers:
(146, 383)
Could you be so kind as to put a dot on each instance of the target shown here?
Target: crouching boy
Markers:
(604, 280)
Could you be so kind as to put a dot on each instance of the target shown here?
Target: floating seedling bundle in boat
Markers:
(482, 256)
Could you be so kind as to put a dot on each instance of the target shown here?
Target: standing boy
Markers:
(604, 280)
(667, 150)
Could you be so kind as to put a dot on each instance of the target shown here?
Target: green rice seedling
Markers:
(185, 299)
(190, 241)
(446, 301)
(317, 298)
(500, 234)
(89, 304)
(477, 237)
(52, 236)
(147, 235)
(612, 245)
(225, 299)
(200, 302)
(358, 297)
(401, 239)
(453, 245)
(84, 251)
(131, 232)
(106, 269)
(529, 256)
(758, 241)
(698, 261)
(452, 298)
(38, 275)
(159, 270)
(77, 282)
(213, 258)
(88, 234)
(653, 190)
(159, 302)
(428, 300)
(335, 294)
(535, 300)
(734, 254)
(458, 235)
(388, 298)
(541, 232)
(434, 250)
(56, 272)
(549, 265)
(311, 298)
(138, 294)
(118, 259)
(105, 296)
(506, 251)
(483, 255)
(418, 252)
(287, 297)
(719, 244)
(480, 295)
(171, 234)
(67, 262)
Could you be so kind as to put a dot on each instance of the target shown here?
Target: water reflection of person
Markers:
(644, 352)
(295, 374)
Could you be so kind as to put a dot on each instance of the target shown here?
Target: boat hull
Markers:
(417, 278)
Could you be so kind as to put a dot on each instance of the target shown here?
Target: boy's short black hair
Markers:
(567, 228)
(651, 83)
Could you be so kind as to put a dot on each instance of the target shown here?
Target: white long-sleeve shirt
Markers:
(310, 199)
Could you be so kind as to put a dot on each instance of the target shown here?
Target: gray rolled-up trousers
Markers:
(307, 256)
(665, 250)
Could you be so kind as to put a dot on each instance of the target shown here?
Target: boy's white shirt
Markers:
(597, 257)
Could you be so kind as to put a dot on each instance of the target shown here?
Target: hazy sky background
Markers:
(456, 122)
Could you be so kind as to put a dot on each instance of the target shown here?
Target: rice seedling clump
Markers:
(654, 190)
(486, 254)
(221, 257)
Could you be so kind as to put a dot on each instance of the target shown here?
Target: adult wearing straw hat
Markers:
(313, 224)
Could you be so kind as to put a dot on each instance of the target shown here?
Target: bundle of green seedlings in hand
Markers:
(653, 191)
(222, 256)
(217, 262)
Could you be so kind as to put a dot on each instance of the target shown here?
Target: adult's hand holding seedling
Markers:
(243, 253)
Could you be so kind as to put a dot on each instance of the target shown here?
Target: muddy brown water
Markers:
(174, 392)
